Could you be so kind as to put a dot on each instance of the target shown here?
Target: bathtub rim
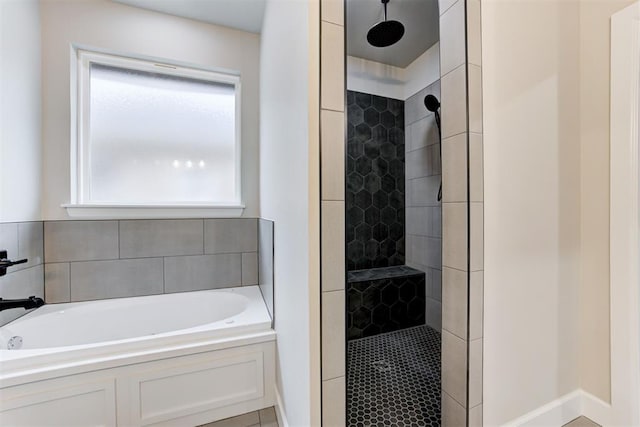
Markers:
(20, 366)
(254, 317)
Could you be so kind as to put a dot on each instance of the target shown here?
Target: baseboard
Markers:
(596, 409)
(280, 413)
(554, 414)
(565, 409)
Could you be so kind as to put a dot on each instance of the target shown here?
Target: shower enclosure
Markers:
(393, 215)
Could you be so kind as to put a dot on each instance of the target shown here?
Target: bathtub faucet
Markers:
(27, 303)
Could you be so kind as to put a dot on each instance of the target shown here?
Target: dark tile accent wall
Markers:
(21, 240)
(384, 300)
(375, 194)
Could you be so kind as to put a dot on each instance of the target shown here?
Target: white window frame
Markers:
(80, 204)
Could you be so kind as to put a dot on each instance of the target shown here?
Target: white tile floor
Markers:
(263, 418)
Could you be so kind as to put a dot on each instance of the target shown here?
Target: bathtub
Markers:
(186, 358)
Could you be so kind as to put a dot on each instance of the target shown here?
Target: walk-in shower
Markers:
(393, 217)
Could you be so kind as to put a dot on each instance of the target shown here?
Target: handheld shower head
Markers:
(432, 103)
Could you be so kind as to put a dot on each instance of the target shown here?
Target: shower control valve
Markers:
(5, 263)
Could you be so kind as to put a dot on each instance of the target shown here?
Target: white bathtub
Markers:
(219, 333)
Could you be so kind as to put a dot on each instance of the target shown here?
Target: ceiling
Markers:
(243, 15)
(419, 17)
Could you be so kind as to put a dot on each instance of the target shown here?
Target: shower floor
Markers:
(393, 379)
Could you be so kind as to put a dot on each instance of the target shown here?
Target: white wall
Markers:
(393, 82)
(532, 205)
(595, 51)
(285, 194)
(20, 106)
(375, 78)
(124, 29)
(423, 71)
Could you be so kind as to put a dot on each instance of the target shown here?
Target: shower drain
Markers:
(14, 343)
(382, 366)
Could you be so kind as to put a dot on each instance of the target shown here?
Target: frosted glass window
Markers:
(160, 139)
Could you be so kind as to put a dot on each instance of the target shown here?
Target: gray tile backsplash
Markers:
(30, 244)
(91, 280)
(152, 238)
(88, 260)
(9, 238)
(58, 280)
(196, 273)
(21, 240)
(249, 268)
(80, 240)
(230, 235)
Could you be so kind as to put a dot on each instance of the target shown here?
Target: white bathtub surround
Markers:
(128, 361)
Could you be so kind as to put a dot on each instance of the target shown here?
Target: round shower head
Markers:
(432, 103)
(385, 33)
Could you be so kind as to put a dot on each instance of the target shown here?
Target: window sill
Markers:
(152, 211)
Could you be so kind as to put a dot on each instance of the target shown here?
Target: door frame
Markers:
(624, 216)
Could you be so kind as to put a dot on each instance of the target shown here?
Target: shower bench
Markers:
(384, 300)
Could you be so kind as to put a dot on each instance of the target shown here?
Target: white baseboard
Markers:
(596, 410)
(565, 409)
(554, 414)
(280, 413)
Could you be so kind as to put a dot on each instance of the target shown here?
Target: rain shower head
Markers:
(385, 33)
(432, 103)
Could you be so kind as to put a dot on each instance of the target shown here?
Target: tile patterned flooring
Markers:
(582, 422)
(416, 388)
(262, 418)
(394, 379)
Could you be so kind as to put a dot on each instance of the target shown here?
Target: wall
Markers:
(595, 45)
(423, 220)
(124, 29)
(375, 181)
(532, 205)
(89, 260)
(285, 191)
(462, 213)
(423, 210)
(332, 176)
(393, 82)
(20, 121)
(20, 151)
(21, 240)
